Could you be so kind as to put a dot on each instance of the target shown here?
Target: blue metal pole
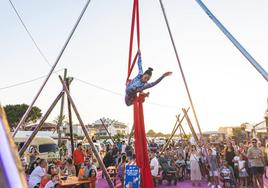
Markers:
(234, 41)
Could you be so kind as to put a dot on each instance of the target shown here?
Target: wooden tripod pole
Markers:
(61, 115)
(179, 122)
(169, 139)
(190, 125)
(182, 130)
(177, 118)
(108, 179)
(68, 83)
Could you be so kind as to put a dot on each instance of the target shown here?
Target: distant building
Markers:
(228, 131)
(257, 129)
(45, 127)
(91, 130)
(77, 130)
(113, 126)
(214, 136)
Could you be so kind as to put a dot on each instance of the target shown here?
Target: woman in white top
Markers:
(196, 175)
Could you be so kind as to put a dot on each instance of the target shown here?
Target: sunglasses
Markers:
(254, 142)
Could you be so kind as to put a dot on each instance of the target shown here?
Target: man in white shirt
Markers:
(154, 165)
(37, 174)
(123, 147)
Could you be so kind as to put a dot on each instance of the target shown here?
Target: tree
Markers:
(118, 136)
(151, 133)
(159, 134)
(60, 120)
(239, 134)
(15, 113)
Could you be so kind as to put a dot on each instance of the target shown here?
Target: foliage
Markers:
(239, 134)
(118, 136)
(151, 133)
(15, 113)
(60, 119)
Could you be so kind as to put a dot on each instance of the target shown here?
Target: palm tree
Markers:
(59, 120)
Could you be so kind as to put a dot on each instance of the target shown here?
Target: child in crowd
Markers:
(181, 165)
(227, 175)
(243, 175)
(53, 182)
(213, 168)
(236, 170)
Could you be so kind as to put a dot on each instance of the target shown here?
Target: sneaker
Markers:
(209, 184)
(213, 186)
(219, 186)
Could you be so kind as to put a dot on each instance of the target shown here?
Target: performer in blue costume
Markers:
(140, 83)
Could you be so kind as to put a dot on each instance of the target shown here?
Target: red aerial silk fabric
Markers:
(141, 149)
(135, 19)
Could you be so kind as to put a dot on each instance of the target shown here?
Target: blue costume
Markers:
(136, 85)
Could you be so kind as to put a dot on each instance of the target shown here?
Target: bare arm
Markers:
(152, 84)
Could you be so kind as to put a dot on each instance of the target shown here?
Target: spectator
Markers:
(213, 169)
(51, 171)
(153, 146)
(119, 145)
(154, 164)
(180, 151)
(32, 166)
(69, 168)
(195, 168)
(123, 147)
(108, 148)
(84, 172)
(33, 155)
(242, 172)
(108, 159)
(63, 151)
(256, 161)
(53, 182)
(236, 169)
(37, 174)
(121, 169)
(78, 157)
(227, 175)
(129, 151)
(115, 153)
(229, 154)
(181, 166)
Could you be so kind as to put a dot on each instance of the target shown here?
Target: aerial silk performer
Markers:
(135, 96)
(140, 83)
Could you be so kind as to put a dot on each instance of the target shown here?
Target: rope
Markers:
(180, 66)
(26, 82)
(29, 33)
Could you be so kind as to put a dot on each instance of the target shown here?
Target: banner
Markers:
(132, 176)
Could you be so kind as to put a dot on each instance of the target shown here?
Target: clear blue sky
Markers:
(225, 88)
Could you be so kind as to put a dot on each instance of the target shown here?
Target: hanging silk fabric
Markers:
(141, 149)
